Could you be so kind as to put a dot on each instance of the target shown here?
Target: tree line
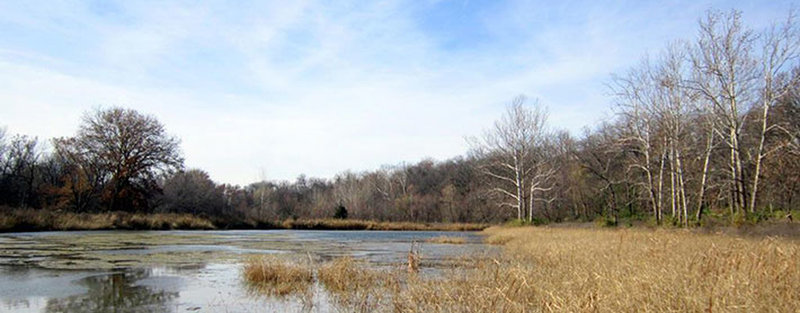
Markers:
(708, 127)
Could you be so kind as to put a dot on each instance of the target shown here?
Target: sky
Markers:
(270, 90)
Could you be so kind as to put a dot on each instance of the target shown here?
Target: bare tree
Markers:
(725, 72)
(636, 100)
(192, 191)
(3, 147)
(513, 156)
(780, 45)
(19, 171)
(130, 149)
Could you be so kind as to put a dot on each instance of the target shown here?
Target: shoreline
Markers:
(16, 221)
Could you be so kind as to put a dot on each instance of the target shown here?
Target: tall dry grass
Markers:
(355, 286)
(42, 220)
(352, 224)
(276, 276)
(585, 269)
(447, 240)
(352, 285)
(38, 220)
(629, 270)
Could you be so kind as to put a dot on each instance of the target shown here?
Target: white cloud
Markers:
(310, 87)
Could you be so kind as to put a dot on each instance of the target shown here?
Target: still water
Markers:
(189, 271)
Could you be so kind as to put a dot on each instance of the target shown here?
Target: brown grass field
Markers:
(548, 269)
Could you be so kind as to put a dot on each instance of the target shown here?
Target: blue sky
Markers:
(271, 90)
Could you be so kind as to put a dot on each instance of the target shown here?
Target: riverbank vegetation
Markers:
(705, 132)
(18, 220)
(569, 269)
(623, 270)
(448, 240)
(41, 220)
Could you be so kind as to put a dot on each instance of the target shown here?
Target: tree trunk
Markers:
(759, 156)
(704, 177)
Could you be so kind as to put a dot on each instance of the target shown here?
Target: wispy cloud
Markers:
(317, 87)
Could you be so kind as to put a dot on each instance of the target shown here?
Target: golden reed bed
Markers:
(592, 270)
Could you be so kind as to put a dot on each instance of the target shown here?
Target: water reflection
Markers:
(183, 271)
(116, 292)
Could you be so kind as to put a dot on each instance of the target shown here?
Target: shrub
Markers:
(341, 212)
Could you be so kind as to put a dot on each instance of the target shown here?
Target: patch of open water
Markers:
(188, 271)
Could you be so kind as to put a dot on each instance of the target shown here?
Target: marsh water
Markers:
(189, 271)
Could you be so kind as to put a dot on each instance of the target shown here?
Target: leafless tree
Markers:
(130, 149)
(780, 45)
(636, 101)
(725, 73)
(513, 155)
(192, 191)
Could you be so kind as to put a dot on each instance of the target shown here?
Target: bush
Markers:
(517, 223)
(540, 221)
(605, 221)
(341, 212)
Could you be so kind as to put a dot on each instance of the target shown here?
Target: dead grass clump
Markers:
(503, 235)
(346, 274)
(276, 276)
(498, 239)
(354, 286)
(448, 240)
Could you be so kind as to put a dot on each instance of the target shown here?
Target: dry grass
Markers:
(587, 269)
(350, 224)
(448, 240)
(354, 286)
(37, 220)
(497, 235)
(43, 220)
(346, 274)
(276, 276)
(549, 269)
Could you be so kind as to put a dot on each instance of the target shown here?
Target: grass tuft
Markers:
(356, 287)
(345, 275)
(448, 240)
(275, 276)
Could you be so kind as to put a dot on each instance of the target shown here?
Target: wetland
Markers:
(187, 271)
